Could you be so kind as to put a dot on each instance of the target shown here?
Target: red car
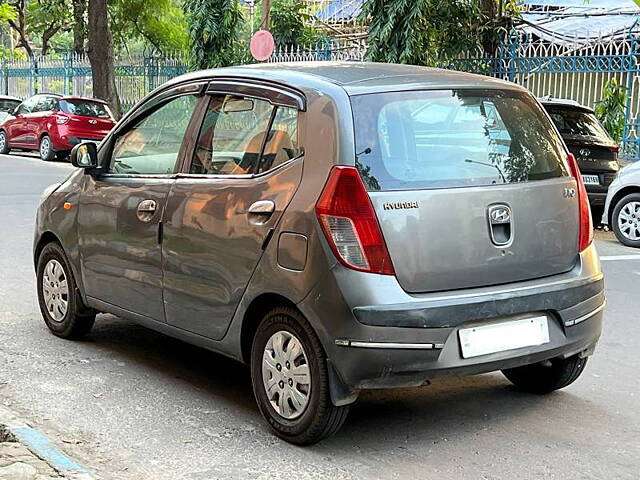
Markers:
(53, 124)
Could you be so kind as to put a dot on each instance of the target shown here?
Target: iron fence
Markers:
(71, 75)
(576, 70)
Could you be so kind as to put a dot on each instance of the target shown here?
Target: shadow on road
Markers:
(449, 408)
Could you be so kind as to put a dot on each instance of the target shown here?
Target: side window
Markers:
(232, 135)
(27, 105)
(282, 141)
(47, 104)
(152, 144)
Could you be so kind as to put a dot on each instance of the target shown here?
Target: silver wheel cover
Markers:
(3, 140)
(55, 290)
(45, 145)
(629, 221)
(285, 375)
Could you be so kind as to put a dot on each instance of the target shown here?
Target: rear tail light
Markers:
(350, 224)
(586, 224)
(614, 148)
(61, 119)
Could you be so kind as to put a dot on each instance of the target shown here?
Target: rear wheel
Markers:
(548, 376)
(46, 148)
(625, 220)
(4, 143)
(290, 380)
(60, 304)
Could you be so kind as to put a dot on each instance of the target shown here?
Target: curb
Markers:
(42, 447)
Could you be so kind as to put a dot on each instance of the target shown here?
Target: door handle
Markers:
(146, 210)
(260, 212)
(262, 207)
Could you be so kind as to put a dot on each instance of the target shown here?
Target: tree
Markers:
(46, 18)
(102, 56)
(160, 23)
(290, 23)
(79, 26)
(214, 27)
(426, 32)
(611, 109)
(18, 23)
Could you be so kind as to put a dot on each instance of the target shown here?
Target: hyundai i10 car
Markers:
(338, 227)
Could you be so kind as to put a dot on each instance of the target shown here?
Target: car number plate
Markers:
(499, 337)
(591, 179)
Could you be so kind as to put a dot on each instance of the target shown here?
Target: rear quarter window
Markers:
(453, 138)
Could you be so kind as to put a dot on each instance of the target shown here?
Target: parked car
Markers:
(313, 221)
(622, 208)
(7, 105)
(53, 124)
(586, 138)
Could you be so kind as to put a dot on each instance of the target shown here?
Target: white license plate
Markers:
(499, 337)
(591, 179)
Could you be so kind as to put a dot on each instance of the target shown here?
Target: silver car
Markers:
(338, 227)
(622, 207)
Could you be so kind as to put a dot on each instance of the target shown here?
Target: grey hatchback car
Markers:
(338, 227)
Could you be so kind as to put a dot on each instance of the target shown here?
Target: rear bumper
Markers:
(402, 344)
(63, 140)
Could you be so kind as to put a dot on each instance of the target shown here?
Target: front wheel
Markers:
(4, 143)
(626, 220)
(46, 149)
(548, 376)
(60, 304)
(290, 379)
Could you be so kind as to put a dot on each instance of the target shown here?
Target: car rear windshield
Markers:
(453, 138)
(576, 122)
(85, 108)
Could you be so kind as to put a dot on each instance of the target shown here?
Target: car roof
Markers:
(78, 97)
(564, 103)
(9, 97)
(354, 77)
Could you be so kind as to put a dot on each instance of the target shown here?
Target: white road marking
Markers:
(606, 258)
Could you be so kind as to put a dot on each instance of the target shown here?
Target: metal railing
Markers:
(71, 75)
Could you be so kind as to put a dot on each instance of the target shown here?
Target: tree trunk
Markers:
(266, 14)
(79, 28)
(101, 56)
(20, 27)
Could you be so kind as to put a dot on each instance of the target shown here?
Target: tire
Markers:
(4, 143)
(318, 418)
(74, 321)
(546, 377)
(627, 211)
(46, 149)
(63, 156)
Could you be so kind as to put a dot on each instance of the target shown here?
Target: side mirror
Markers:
(85, 155)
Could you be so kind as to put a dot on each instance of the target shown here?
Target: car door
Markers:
(40, 117)
(244, 170)
(17, 127)
(121, 208)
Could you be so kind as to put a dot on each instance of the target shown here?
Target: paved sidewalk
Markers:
(18, 463)
(26, 454)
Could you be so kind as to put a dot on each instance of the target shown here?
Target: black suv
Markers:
(595, 150)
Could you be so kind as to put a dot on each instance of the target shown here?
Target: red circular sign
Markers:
(262, 45)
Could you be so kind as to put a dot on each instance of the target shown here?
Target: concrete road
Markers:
(133, 404)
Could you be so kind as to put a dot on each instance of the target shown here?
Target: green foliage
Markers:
(428, 32)
(610, 110)
(290, 23)
(214, 27)
(7, 12)
(160, 23)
